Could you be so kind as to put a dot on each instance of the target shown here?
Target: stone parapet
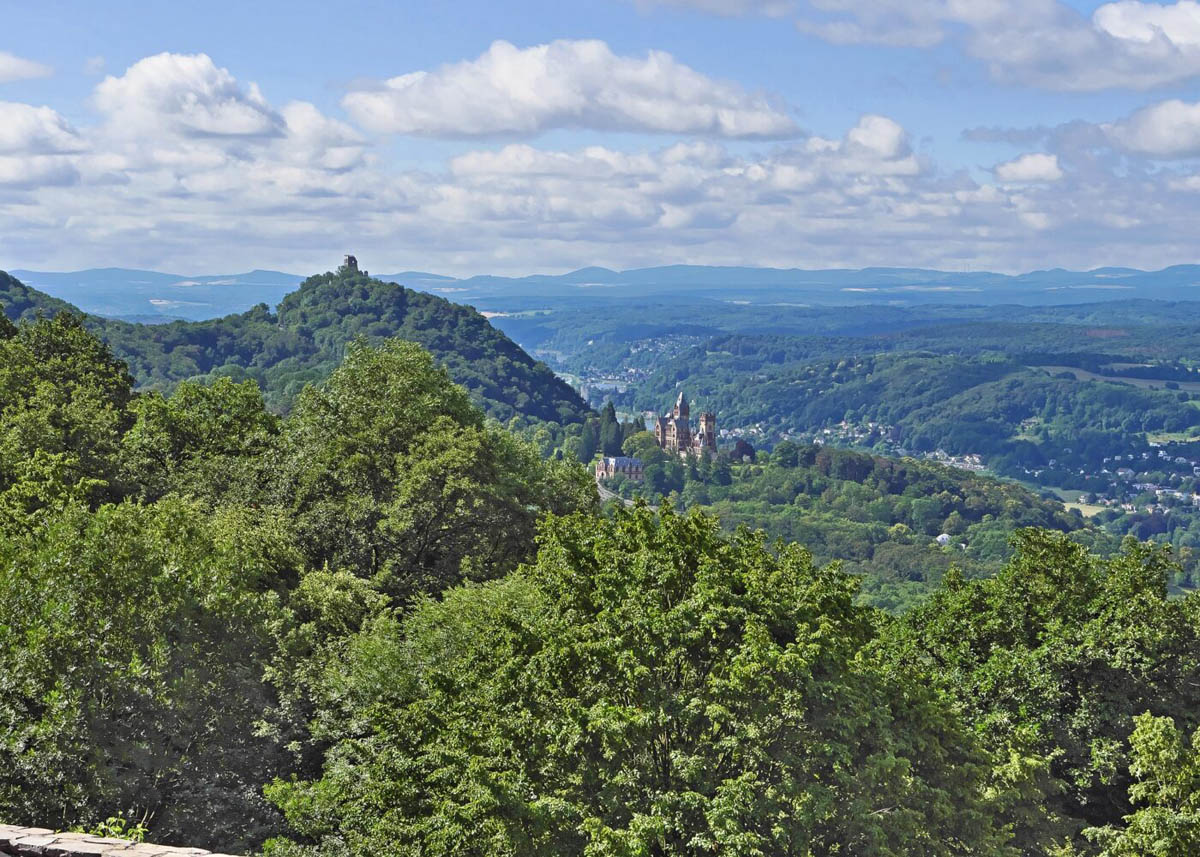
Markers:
(39, 842)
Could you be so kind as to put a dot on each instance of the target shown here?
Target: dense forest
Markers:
(1019, 417)
(1044, 394)
(880, 517)
(307, 336)
(380, 624)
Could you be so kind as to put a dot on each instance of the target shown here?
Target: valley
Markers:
(1092, 406)
(369, 512)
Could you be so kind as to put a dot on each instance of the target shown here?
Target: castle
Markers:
(674, 433)
(350, 266)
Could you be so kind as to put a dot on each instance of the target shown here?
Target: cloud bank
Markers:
(511, 91)
(185, 163)
(1035, 167)
(1127, 44)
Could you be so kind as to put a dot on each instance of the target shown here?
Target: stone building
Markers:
(350, 266)
(610, 466)
(674, 432)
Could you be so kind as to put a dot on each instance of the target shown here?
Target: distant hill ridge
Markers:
(305, 340)
(129, 293)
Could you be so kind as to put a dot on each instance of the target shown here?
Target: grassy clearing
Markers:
(1142, 383)
(1173, 436)
(1088, 510)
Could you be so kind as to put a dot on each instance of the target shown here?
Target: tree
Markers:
(642, 445)
(63, 410)
(132, 646)
(648, 686)
(785, 454)
(1051, 659)
(391, 472)
(206, 441)
(1166, 768)
(610, 433)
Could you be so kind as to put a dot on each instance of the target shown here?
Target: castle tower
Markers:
(350, 264)
(681, 407)
(706, 435)
(673, 431)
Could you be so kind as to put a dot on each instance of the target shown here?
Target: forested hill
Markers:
(23, 303)
(306, 338)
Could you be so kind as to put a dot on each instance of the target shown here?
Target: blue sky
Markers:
(512, 137)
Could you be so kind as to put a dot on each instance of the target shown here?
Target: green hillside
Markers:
(436, 642)
(878, 516)
(1018, 416)
(306, 338)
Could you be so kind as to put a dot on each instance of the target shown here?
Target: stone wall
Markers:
(38, 842)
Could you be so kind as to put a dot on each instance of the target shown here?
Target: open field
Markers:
(1143, 383)
(1072, 500)
(1173, 437)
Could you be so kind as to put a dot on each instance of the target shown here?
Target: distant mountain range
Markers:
(830, 287)
(135, 295)
(153, 296)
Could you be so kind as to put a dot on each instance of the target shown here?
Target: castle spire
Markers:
(681, 405)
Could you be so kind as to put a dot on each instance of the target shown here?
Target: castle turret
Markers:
(681, 407)
(706, 436)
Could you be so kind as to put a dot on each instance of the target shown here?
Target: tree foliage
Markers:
(648, 686)
(383, 624)
(1052, 659)
(131, 648)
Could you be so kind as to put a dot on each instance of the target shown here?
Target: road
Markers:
(605, 494)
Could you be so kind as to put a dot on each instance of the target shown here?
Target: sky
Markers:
(523, 136)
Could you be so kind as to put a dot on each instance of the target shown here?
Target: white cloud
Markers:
(1127, 44)
(917, 23)
(36, 147)
(1169, 129)
(187, 95)
(183, 180)
(193, 124)
(94, 65)
(565, 84)
(25, 129)
(1034, 167)
(1177, 24)
(13, 67)
(316, 139)
(35, 171)
(879, 135)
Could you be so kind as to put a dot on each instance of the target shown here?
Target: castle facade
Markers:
(674, 432)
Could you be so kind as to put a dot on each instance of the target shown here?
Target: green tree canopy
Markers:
(391, 472)
(1166, 768)
(63, 409)
(1051, 659)
(647, 687)
(132, 644)
(206, 440)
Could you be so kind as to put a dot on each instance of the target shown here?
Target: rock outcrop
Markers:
(39, 842)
